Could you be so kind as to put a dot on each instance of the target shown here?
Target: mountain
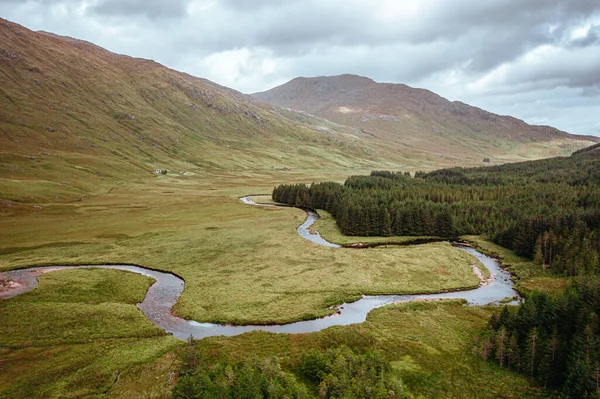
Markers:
(75, 118)
(420, 122)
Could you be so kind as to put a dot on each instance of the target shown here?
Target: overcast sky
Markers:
(538, 60)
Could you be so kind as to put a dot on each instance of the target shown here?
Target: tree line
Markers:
(547, 210)
(554, 340)
(338, 372)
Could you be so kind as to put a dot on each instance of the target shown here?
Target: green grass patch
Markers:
(76, 370)
(75, 306)
(75, 333)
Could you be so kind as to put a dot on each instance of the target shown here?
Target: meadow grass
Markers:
(148, 380)
(76, 370)
(76, 306)
(242, 264)
(75, 333)
(262, 199)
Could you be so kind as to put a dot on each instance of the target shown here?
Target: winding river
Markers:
(167, 289)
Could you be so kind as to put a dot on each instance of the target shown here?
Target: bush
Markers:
(343, 373)
(336, 373)
(250, 379)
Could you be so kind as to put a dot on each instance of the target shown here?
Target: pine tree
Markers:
(501, 344)
(384, 221)
(513, 353)
(505, 318)
(530, 350)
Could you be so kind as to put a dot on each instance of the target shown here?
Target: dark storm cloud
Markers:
(153, 9)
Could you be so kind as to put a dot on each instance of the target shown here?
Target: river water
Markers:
(167, 289)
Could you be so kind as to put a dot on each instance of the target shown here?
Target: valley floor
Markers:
(80, 334)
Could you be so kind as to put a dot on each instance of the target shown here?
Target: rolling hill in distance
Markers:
(75, 117)
(419, 122)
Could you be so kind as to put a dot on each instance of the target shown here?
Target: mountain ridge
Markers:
(356, 100)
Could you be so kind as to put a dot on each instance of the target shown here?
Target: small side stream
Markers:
(167, 289)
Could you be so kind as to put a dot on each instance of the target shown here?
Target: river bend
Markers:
(167, 289)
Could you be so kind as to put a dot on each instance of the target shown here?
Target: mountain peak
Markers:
(418, 118)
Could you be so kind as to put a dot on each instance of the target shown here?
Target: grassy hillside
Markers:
(75, 118)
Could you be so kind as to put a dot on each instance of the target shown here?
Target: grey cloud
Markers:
(152, 9)
(495, 32)
(255, 5)
(574, 68)
(591, 91)
(491, 33)
(591, 38)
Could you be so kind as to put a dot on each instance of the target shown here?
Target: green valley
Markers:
(109, 159)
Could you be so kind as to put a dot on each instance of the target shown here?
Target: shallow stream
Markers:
(167, 289)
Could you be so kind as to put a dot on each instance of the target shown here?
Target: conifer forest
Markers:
(547, 210)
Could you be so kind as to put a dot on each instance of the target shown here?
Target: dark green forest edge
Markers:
(553, 339)
(547, 211)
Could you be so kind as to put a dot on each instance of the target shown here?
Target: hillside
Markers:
(420, 122)
(75, 118)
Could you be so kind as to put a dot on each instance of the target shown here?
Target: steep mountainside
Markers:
(74, 116)
(420, 121)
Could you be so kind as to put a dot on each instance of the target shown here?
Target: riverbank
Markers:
(167, 289)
